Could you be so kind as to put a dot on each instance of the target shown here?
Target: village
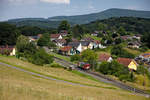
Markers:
(76, 46)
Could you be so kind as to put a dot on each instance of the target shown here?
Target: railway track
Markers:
(104, 78)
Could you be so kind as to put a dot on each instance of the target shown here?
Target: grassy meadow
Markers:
(17, 85)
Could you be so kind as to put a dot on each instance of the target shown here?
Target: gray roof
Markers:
(85, 43)
(76, 44)
(73, 44)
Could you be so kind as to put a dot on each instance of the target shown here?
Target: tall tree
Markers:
(121, 31)
(8, 34)
(64, 25)
(44, 40)
(89, 56)
(78, 31)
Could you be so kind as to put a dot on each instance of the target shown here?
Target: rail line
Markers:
(104, 78)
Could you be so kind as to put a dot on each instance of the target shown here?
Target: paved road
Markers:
(104, 78)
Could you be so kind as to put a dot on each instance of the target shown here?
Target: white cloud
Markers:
(57, 1)
(33, 1)
(21, 1)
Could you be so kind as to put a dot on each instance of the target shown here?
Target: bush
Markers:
(41, 58)
(104, 67)
(33, 54)
(120, 52)
(55, 65)
(123, 77)
(75, 57)
(116, 69)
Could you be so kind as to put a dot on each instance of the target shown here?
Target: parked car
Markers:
(84, 65)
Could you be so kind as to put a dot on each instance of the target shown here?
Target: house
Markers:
(137, 36)
(145, 57)
(60, 42)
(94, 34)
(130, 63)
(33, 38)
(55, 36)
(81, 45)
(8, 50)
(77, 46)
(126, 37)
(95, 43)
(67, 50)
(64, 32)
(74, 40)
(104, 57)
(86, 45)
(134, 44)
(87, 39)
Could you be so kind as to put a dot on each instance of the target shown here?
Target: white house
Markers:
(105, 57)
(55, 36)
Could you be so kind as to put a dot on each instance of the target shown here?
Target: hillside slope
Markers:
(16, 85)
(130, 24)
(53, 22)
(83, 19)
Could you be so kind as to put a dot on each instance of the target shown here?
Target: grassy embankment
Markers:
(17, 85)
(58, 73)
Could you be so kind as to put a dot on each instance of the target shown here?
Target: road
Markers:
(104, 78)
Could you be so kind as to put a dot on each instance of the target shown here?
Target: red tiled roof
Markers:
(124, 61)
(54, 35)
(104, 57)
(66, 48)
(146, 55)
(97, 41)
(10, 48)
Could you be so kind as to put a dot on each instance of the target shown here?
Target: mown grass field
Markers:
(59, 73)
(17, 85)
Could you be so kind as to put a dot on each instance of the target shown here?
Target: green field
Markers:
(17, 85)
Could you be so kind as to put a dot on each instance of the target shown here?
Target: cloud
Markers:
(16, 2)
(57, 1)
(34, 1)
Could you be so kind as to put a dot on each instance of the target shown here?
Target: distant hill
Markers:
(83, 19)
(42, 23)
(80, 19)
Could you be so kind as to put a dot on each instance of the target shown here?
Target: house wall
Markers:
(79, 48)
(60, 37)
(110, 59)
(132, 65)
(90, 46)
(13, 53)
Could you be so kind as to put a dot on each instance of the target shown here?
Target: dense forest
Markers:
(130, 24)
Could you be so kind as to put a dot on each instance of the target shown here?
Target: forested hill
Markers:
(42, 23)
(130, 24)
(83, 19)
(79, 19)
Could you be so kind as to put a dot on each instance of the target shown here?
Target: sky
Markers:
(12, 9)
